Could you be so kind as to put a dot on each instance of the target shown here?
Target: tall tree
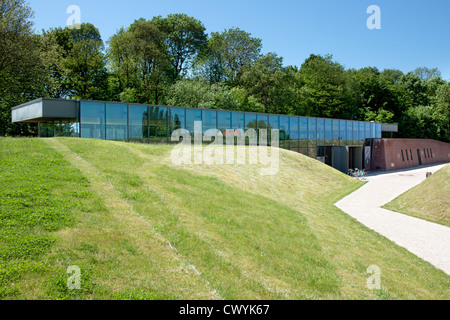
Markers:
(185, 37)
(228, 53)
(263, 79)
(19, 62)
(326, 90)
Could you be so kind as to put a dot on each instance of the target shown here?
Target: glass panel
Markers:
(367, 131)
(209, 120)
(336, 132)
(378, 131)
(224, 123)
(312, 133)
(224, 120)
(250, 124)
(284, 132)
(193, 115)
(116, 122)
(349, 131)
(274, 124)
(373, 133)
(250, 121)
(328, 129)
(138, 118)
(328, 132)
(92, 118)
(177, 120)
(304, 135)
(238, 121)
(263, 124)
(355, 131)
(342, 131)
(320, 129)
(158, 124)
(294, 134)
(361, 131)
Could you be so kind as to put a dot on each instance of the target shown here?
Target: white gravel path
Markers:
(427, 240)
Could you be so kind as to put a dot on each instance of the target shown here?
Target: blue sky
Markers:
(414, 33)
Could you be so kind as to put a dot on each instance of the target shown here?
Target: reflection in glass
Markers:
(138, 118)
(158, 124)
(294, 142)
(284, 132)
(116, 122)
(92, 118)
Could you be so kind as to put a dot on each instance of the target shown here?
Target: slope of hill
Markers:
(428, 200)
(138, 227)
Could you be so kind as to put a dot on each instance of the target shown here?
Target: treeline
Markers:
(172, 61)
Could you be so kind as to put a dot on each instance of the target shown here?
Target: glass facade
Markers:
(155, 124)
(138, 123)
(116, 122)
(92, 119)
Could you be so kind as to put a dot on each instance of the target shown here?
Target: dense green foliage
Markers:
(171, 60)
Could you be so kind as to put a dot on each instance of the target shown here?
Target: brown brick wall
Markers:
(387, 153)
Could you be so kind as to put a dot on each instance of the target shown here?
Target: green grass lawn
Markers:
(429, 200)
(141, 228)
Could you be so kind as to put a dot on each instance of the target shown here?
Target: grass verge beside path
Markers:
(429, 200)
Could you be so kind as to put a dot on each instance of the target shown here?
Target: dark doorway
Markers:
(419, 157)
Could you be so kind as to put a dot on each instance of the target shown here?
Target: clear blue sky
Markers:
(414, 33)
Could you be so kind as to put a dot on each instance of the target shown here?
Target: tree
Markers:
(19, 63)
(264, 79)
(86, 64)
(425, 73)
(326, 89)
(185, 37)
(228, 53)
(376, 100)
(199, 93)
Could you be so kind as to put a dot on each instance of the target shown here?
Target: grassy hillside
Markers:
(140, 228)
(428, 200)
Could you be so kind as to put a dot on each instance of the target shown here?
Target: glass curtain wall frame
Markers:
(116, 122)
(336, 132)
(262, 123)
(328, 132)
(159, 130)
(303, 135)
(138, 123)
(93, 120)
(284, 132)
(294, 136)
(274, 124)
(224, 124)
(192, 116)
(312, 137)
(176, 120)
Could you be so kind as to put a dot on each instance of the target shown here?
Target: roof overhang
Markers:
(45, 110)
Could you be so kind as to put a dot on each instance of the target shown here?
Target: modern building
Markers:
(338, 143)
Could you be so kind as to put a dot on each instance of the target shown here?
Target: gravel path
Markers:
(427, 240)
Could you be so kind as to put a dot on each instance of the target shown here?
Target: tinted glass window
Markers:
(116, 122)
(138, 123)
(312, 133)
(158, 125)
(92, 119)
